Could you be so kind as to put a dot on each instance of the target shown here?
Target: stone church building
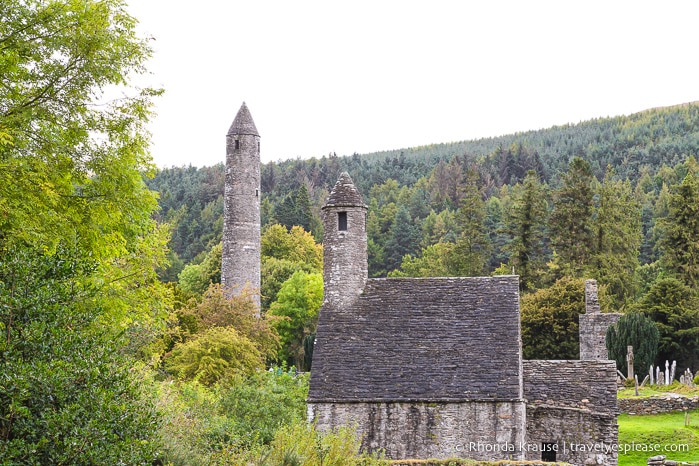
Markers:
(426, 367)
(433, 368)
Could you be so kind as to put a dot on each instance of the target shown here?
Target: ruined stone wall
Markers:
(420, 430)
(593, 326)
(658, 404)
(572, 404)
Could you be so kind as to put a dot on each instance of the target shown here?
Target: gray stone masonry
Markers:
(421, 339)
(570, 404)
(477, 430)
(345, 259)
(593, 326)
(240, 266)
(658, 404)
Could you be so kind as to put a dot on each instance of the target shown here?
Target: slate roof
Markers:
(344, 194)
(243, 123)
(421, 339)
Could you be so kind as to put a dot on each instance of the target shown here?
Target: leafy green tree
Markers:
(473, 246)
(618, 236)
(526, 224)
(571, 219)
(550, 319)
(435, 261)
(297, 306)
(274, 273)
(296, 245)
(637, 330)
(72, 168)
(216, 354)
(680, 240)
(68, 394)
(674, 307)
(405, 239)
(217, 309)
(78, 244)
(196, 278)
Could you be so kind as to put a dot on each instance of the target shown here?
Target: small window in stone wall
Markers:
(258, 147)
(342, 221)
(548, 452)
(237, 144)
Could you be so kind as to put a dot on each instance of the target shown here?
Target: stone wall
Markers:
(658, 404)
(593, 326)
(477, 430)
(572, 405)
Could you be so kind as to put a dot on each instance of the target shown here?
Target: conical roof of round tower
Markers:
(243, 123)
(344, 194)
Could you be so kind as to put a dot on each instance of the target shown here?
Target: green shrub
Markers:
(301, 444)
(232, 420)
(260, 404)
(218, 353)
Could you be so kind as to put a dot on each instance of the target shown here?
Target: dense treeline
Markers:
(644, 147)
(609, 199)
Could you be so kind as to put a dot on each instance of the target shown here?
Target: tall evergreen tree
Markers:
(473, 245)
(526, 224)
(571, 219)
(304, 212)
(674, 307)
(680, 241)
(617, 230)
(405, 239)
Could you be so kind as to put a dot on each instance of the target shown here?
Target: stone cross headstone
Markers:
(652, 375)
(629, 361)
(657, 375)
(667, 372)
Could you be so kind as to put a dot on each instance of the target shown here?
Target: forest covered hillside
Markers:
(635, 146)
(614, 199)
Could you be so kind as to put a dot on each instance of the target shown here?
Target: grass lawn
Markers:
(651, 390)
(663, 430)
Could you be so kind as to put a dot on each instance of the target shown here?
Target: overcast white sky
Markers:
(362, 76)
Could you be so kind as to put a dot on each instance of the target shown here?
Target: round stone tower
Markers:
(240, 265)
(345, 263)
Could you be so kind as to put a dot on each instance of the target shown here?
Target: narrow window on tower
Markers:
(237, 144)
(258, 147)
(257, 193)
(342, 221)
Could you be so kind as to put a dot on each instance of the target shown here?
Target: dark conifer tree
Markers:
(571, 219)
(637, 330)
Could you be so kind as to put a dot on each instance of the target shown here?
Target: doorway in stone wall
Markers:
(548, 451)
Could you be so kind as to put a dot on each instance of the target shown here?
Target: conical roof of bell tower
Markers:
(345, 194)
(243, 123)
